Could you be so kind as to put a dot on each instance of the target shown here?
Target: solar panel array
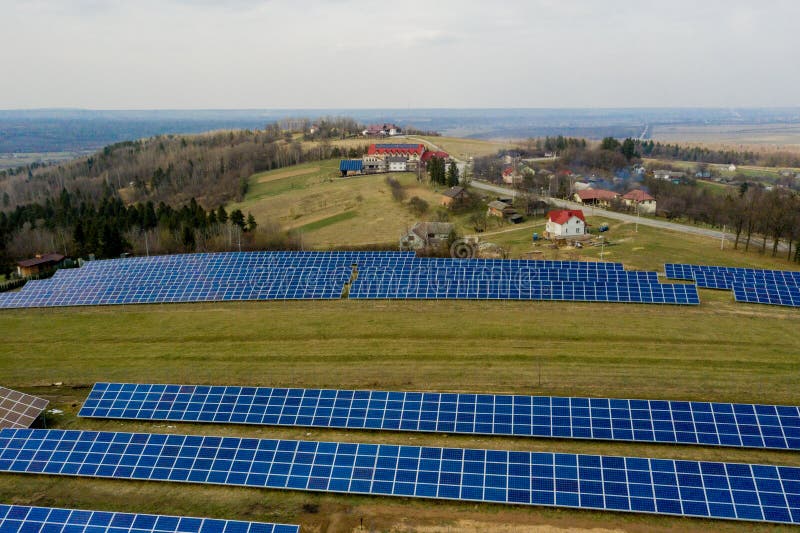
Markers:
(199, 278)
(714, 424)
(751, 285)
(19, 410)
(510, 289)
(327, 275)
(767, 294)
(26, 519)
(671, 487)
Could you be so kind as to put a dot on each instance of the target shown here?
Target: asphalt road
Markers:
(624, 217)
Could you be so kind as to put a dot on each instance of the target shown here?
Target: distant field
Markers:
(466, 148)
(743, 170)
(24, 159)
(718, 351)
(783, 136)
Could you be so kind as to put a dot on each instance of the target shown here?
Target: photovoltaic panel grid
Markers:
(786, 295)
(513, 289)
(242, 276)
(25, 519)
(19, 410)
(671, 487)
(659, 421)
(719, 277)
(775, 287)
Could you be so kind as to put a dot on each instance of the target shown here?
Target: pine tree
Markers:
(188, 238)
(222, 215)
(251, 222)
(452, 175)
(237, 218)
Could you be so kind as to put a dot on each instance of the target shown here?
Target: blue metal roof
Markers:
(351, 165)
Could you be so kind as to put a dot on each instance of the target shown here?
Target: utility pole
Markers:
(722, 240)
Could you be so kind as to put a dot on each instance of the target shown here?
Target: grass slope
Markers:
(334, 211)
(718, 351)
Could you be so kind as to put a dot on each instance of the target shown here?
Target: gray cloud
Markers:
(359, 53)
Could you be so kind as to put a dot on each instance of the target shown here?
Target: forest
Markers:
(213, 168)
(78, 226)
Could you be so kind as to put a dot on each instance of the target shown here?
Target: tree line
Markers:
(656, 150)
(79, 226)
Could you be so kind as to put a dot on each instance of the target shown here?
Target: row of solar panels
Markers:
(675, 294)
(708, 489)
(718, 424)
(324, 275)
(775, 287)
(26, 519)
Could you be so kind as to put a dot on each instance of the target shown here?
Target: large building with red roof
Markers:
(565, 224)
(397, 149)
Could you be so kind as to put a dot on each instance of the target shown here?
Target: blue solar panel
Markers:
(671, 487)
(25, 519)
(514, 289)
(720, 276)
(785, 295)
(355, 165)
(657, 421)
(247, 276)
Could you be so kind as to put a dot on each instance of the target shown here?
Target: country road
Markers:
(624, 217)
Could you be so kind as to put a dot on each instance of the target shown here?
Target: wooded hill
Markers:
(213, 168)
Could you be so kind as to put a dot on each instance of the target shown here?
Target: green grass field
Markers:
(332, 211)
(644, 248)
(718, 351)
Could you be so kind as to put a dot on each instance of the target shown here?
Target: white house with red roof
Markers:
(510, 176)
(565, 224)
(641, 201)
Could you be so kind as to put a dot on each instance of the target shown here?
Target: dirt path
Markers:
(287, 174)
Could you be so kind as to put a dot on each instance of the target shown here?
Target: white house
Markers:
(397, 163)
(565, 224)
(731, 168)
(641, 201)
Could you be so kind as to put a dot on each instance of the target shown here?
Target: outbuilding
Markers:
(454, 196)
(39, 264)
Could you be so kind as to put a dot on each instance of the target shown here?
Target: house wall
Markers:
(647, 207)
(574, 227)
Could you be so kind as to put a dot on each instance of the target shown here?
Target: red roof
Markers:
(563, 215)
(41, 260)
(596, 194)
(396, 149)
(638, 195)
(508, 171)
(427, 156)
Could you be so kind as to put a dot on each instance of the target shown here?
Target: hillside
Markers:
(330, 211)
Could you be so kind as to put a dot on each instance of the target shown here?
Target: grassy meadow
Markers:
(332, 211)
(717, 351)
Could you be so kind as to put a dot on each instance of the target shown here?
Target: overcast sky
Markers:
(183, 54)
